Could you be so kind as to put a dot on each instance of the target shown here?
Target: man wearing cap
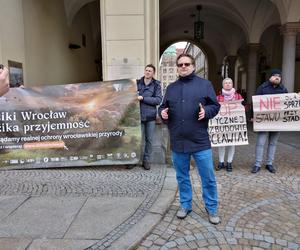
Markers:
(271, 86)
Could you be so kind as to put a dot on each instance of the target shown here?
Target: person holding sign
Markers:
(187, 106)
(228, 93)
(272, 86)
(4, 80)
(149, 96)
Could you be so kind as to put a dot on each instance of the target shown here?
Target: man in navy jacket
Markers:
(187, 106)
(149, 96)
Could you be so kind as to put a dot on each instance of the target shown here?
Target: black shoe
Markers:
(130, 166)
(255, 169)
(229, 167)
(146, 165)
(271, 169)
(220, 166)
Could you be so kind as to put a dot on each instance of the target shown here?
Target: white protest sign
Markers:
(229, 127)
(280, 112)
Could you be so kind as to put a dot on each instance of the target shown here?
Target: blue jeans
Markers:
(204, 162)
(148, 130)
(260, 143)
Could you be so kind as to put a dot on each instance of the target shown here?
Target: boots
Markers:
(220, 166)
(229, 167)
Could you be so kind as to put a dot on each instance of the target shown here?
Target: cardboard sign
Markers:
(280, 112)
(229, 127)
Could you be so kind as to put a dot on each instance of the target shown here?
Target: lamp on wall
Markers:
(74, 46)
(198, 26)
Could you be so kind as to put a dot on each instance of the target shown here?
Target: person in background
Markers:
(270, 87)
(149, 96)
(187, 106)
(4, 80)
(228, 93)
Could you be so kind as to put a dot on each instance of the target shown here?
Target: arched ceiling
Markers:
(73, 6)
(288, 9)
(229, 24)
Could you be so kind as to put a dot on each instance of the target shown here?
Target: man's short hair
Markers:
(186, 55)
(151, 66)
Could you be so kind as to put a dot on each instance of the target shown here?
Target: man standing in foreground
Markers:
(149, 96)
(270, 87)
(187, 106)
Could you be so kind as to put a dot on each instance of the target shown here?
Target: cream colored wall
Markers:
(128, 39)
(11, 32)
(47, 36)
(297, 77)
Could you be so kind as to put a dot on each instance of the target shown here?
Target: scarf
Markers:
(228, 94)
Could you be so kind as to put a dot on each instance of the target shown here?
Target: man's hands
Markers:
(140, 98)
(164, 114)
(201, 112)
(4, 81)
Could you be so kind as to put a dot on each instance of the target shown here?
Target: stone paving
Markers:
(258, 211)
(102, 182)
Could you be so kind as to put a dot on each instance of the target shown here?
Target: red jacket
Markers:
(237, 96)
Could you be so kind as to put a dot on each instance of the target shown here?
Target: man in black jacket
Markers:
(270, 87)
(149, 96)
(187, 106)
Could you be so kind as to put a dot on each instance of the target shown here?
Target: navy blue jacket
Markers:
(267, 88)
(182, 97)
(152, 97)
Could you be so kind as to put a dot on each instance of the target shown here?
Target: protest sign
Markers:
(70, 125)
(229, 127)
(280, 112)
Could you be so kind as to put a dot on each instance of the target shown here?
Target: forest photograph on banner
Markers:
(82, 124)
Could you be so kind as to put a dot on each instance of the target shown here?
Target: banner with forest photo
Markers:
(82, 124)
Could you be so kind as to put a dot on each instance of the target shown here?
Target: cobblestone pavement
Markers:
(258, 211)
(98, 182)
(103, 181)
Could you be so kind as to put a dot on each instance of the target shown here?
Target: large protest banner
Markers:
(280, 112)
(70, 125)
(229, 127)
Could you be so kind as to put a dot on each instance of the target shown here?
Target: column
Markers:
(289, 32)
(252, 70)
(231, 66)
(130, 37)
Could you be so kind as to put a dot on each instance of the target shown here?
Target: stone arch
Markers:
(270, 53)
(72, 7)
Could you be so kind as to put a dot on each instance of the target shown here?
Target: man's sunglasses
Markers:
(185, 64)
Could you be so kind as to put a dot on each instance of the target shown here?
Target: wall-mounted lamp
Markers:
(74, 46)
(198, 26)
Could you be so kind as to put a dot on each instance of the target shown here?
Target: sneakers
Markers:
(183, 212)
(271, 169)
(213, 219)
(220, 166)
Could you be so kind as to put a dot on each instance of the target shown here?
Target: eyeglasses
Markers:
(185, 64)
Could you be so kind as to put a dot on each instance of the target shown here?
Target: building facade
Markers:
(69, 41)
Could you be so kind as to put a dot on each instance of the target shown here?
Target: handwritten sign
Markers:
(229, 127)
(280, 112)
